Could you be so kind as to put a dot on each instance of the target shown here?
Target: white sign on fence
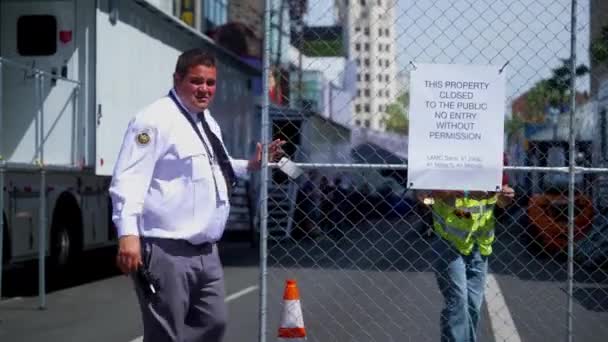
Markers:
(456, 130)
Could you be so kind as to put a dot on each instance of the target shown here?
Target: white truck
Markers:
(72, 74)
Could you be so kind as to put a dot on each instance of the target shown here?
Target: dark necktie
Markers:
(220, 154)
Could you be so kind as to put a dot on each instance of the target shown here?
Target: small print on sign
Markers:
(456, 127)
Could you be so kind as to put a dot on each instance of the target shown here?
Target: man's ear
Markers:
(176, 78)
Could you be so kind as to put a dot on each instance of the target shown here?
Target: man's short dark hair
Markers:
(194, 57)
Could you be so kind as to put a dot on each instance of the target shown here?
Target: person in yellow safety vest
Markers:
(464, 223)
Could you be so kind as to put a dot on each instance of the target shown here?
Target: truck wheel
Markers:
(66, 233)
(62, 246)
(65, 245)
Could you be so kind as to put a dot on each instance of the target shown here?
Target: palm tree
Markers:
(553, 91)
(560, 81)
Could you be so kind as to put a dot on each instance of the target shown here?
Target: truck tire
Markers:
(62, 242)
(66, 233)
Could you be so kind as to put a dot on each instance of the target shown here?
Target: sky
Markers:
(531, 35)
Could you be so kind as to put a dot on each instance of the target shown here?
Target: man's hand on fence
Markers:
(275, 152)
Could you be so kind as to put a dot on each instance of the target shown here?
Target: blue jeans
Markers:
(461, 280)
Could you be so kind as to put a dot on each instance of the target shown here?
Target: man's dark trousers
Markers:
(189, 304)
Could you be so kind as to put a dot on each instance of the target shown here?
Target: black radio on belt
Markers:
(147, 281)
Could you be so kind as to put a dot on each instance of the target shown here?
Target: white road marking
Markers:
(503, 327)
(10, 300)
(228, 299)
(241, 293)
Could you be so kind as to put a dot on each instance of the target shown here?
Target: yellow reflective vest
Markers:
(464, 222)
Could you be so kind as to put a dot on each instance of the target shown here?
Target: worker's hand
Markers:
(505, 196)
(275, 152)
(128, 258)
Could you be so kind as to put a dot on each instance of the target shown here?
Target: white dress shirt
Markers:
(164, 182)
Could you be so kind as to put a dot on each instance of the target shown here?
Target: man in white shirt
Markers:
(170, 192)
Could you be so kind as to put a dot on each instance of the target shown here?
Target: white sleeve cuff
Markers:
(127, 226)
(240, 167)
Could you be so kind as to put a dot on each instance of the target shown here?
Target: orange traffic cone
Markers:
(292, 323)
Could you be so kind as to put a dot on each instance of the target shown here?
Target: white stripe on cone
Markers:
(292, 318)
(292, 315)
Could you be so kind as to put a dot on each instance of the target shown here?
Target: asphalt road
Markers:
(373, 284)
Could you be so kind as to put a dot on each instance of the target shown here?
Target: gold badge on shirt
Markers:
(143, 138)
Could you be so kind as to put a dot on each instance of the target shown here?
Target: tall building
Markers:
(371, 39)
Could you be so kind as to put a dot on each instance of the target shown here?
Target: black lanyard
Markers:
(193, 124)
(222, 160)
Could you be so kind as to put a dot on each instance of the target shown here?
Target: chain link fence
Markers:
(359, 242)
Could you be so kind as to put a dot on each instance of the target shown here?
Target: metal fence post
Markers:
(42, 209)
(571, 189)
(264, 173)
(42, 240)
(1, 220)
(1, 183)
(76, 121)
